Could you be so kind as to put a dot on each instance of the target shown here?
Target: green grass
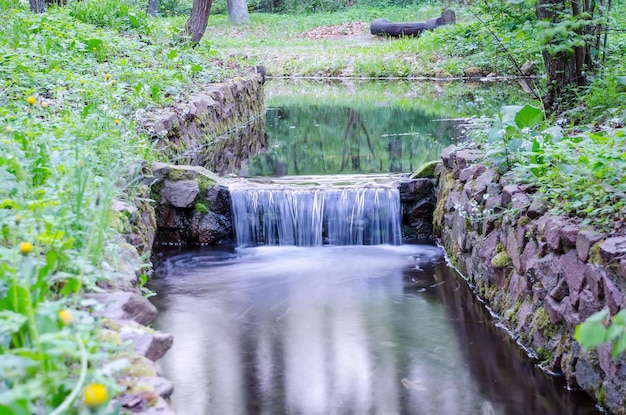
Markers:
(276, 41)
(74, 83)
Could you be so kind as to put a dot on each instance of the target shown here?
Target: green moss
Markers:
(543, 323)
(512, 314)
(201, 207)
(545, 355)
(594, 254)
(110, 336)
(427, 170)
(600, 395)
(445, 187)
(501, 260)
(139, 366)
(499, 247)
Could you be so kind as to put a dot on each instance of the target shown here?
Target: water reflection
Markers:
(367, 127)
(339, 330)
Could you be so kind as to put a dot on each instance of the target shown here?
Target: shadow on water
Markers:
(340, 330)
(368, 126)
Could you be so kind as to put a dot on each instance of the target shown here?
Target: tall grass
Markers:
(73, 83)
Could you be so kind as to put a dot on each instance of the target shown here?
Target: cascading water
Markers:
(314, 216)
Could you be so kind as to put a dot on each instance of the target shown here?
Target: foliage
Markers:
(70, 95)
(599, 329)
(579, 172)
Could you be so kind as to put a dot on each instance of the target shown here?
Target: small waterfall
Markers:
(312, 217)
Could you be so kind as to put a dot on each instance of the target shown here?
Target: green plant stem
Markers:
(61, 409)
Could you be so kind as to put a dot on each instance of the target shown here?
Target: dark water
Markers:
(340, 330)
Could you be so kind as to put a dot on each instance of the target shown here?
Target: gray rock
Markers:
(569, 234)
(587, 376)
(538, 207)
(123, 306)
(584, 241)
(181, 193)
(481, 184)
(622, 268)
(530, 257)
(415, 189)
(557, 310)
(549, 271)
(446, 156)
(560, 291)
(507, 194)
(520, 202)
(163, 387)
(614, 392)
(151, 345)
(213, 228)
(587, 304)
(468, 173)
(552, 233)
(574, 272)
(466, 157)
(612, 248)
(594, 274)
(612, 295)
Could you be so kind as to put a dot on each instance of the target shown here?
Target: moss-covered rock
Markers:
(427, 170)
(501, 260)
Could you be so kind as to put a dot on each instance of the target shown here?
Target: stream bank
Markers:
(540, 274)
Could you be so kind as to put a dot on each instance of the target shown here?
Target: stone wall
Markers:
(220, 128)
(541, 274)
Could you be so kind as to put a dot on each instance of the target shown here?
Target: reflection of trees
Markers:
(317, 139)
(352, 142)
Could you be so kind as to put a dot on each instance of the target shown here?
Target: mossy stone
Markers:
(427, 170)
(501, 260)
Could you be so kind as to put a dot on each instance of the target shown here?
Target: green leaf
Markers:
(172, 54)
(621, 80)
(529, 117)
(509, 113)
(590, 334)
(619, 346)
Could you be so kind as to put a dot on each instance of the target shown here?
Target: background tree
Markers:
(153, 7)
(198, 20)
(37, 6)
(570, 32)
(238, 12)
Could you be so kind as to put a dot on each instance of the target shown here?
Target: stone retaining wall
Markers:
(541, 274)
(220, 128)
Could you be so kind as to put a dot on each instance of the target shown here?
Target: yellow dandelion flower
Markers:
(66, 317)
(25, 248)
(107, 75)
(30, 100)
(18, 218)
(82, 82)
(114, 106)
(44, 104)
(113, 82)
(117, 121)
(94, 395)
(9, 129)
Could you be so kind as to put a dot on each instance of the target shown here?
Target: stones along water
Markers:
(340, 330)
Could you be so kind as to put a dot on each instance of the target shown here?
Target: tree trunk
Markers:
(198, 20)
(567, 69)
(37, 6)
(153, 7)
(238, 12)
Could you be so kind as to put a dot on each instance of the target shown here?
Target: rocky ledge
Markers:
(541, 274)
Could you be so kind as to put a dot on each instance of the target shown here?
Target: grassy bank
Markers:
(73, 85)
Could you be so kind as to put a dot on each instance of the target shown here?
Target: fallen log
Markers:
(384, 27)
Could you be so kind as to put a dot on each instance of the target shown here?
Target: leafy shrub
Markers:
(122, 15)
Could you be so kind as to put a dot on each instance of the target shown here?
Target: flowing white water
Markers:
(314, 216)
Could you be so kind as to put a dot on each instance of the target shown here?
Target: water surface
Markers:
(339, 330)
